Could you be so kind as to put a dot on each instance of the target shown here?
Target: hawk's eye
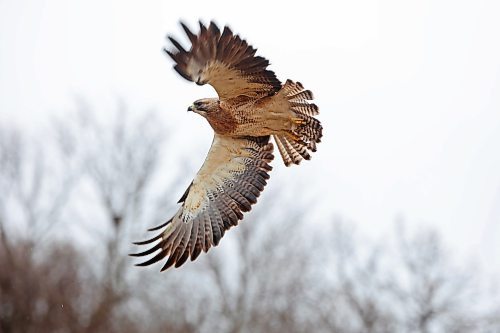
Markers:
(197, 104)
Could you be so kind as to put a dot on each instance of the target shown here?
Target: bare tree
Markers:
(261, 289)
(43, 295)
(257, 280)
(113, 162)
(436, 296)
(353, 296)
(271, 275)
(278, 271)
(29, 188)
(117, 160)
(413, 287)
(32, 283)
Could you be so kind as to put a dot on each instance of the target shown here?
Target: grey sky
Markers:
(409, 93)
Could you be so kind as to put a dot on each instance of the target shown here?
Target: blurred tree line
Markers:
(72, 202)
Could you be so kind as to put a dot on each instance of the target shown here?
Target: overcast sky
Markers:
(409, 93)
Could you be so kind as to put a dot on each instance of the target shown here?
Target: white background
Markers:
(409, 93)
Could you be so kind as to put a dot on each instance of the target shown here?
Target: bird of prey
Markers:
(252, 106)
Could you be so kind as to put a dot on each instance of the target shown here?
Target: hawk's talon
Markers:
(298, 121)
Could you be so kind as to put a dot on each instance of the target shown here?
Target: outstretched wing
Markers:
(224, 61)
(229, 182)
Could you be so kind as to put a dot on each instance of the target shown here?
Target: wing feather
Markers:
(228, 184)
(224, 61)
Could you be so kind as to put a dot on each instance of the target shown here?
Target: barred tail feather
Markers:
(306, 132)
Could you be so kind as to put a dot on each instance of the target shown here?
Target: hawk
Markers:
(252, 106)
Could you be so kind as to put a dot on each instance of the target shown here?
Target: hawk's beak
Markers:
(190, 108)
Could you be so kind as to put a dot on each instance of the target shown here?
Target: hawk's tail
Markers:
(306, 131)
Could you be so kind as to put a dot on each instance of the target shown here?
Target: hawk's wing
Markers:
(224, 61)
(229, 182)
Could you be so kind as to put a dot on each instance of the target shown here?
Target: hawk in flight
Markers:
(252, 106)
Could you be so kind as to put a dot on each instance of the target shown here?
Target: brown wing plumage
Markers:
(228, 184)
(225, 61)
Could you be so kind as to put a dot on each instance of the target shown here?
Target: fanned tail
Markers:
(306, 131)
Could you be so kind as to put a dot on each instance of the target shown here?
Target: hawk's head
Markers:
(204, 106)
